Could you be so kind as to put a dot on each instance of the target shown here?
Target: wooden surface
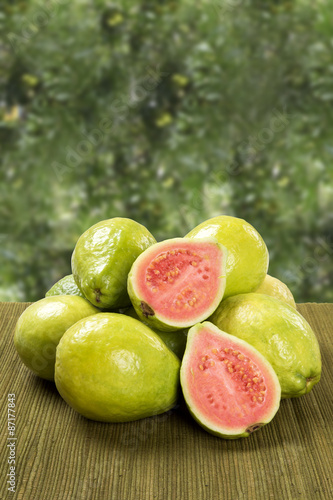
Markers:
(62, 456)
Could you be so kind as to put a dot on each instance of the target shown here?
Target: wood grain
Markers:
(62, 456)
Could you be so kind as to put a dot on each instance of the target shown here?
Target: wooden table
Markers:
(62, 456)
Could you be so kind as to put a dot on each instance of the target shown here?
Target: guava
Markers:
(65, 286)
(229, 387)
(112, 368)
(276, 288)
(177, 283)
(41, 326)
(176, 341)
(279, 333)
(248, 258)
(102, 259)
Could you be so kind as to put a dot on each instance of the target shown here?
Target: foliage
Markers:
(169, 113)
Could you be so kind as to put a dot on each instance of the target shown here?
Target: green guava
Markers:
(176, 341)
(65, 286)
(41, 326)
(229, 387)
(278, 332)
(103, 257)
(177, 283)
(276, 288)
(248, 258)
(112, 368)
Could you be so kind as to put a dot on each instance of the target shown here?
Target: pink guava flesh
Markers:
(181, 281)
(227, 385)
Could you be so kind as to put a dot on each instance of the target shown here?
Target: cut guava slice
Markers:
(229, 387)
(175, 284)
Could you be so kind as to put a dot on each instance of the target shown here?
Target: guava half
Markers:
(280, 333)
(175, 284)
(229, 387)
(102, 259)
(65, 286)
(248, 257)
(112, 368)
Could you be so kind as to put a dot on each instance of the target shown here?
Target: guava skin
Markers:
(206, 337)
(65, 286)
(41, 326)
(112, 368)
(276, 288)
(248, 257)
(176, 341)
(103, 257)
(279, 333)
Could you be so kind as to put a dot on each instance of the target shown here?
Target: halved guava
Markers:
(175, 284)
(229, 387)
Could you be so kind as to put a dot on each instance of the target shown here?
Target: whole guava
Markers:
(41, 326)
(103, 257)
(276, 288)
(248, 258)
(113, 368)
(65, 286)
(176, 341)
(279, 333)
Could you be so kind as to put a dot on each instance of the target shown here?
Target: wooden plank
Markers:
(61, 455)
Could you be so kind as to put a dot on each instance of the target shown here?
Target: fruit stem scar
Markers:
(146, 309)
(254, 427)
(98, 294)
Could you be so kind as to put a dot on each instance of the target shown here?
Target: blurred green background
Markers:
(169, 113)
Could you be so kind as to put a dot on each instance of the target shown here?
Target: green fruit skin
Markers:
(41, 326)
(276, 288)
(176, 341)
(248, 258)
(279, 333)
(103, 257)
(195, 330)
(65, 286)
(112, 368)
